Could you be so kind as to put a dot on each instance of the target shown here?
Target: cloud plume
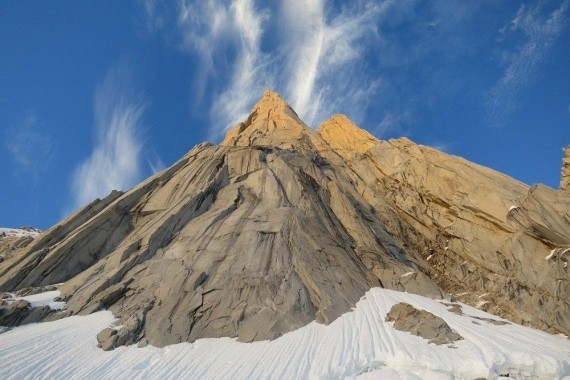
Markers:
(115, 162)
(312, 56)
(539, 32)
(30, 149)
(324, 56)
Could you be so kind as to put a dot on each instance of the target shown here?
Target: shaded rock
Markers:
(106, 334)
(109, 344)
(454, 308)
(565, 174)
(20, 312)
(107, 338)
(492, 321)
(36, 314)
(281, 225)
(543, 213)
(35, 290)
(421, 323)
(458, 218)
(14, 313)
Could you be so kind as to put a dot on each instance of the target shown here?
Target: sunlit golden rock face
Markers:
(280, 225)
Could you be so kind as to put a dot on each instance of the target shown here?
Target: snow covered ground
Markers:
(42, 299)
(19, 232)
(358, 344)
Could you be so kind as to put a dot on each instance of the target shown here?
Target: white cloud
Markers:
(216, 29)
(115, 162)
(393, 124)
(302, 49)
(249, 75)
(30, 149)
(323, 57)
(540, 30)
(441, 146)
(153, 17)
(154, 162)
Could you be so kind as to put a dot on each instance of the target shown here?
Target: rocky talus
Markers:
(280, 225)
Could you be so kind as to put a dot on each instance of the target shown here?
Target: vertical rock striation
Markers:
(565, 174)
(280, 225)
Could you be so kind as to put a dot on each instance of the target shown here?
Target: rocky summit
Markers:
(281, 225)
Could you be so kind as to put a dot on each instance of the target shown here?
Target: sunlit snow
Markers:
(18, 232)
(358, 344)
(42, 299)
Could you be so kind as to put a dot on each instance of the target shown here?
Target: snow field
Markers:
(358, 344)
(18, 232)
(42, 299)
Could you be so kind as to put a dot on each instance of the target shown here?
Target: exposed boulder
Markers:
(421, 323)
(107, 338)
(20, 312)
(13, 313)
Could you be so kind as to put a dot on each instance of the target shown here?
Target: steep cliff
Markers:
(280, 225)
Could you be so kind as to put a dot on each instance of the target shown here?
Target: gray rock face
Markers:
(20, 312)
(421, 323)
(462, 219)
(11, 244)
(280, 225)
(565, 175)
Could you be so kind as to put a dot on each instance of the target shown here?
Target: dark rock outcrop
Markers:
(421, 323)
(20, 312)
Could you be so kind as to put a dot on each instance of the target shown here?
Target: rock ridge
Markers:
(280, 225)
(565, 175)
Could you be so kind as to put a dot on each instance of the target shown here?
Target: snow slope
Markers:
(19, 232)
(359, 343)
(42, 299)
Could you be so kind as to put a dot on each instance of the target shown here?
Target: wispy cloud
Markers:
(324, 54)
(29, 148)
(115, 162)
(154, 161)
(393, 124)
(154, 14)
(226, 36)
(539, 30)
(441, 146)
(310, 54)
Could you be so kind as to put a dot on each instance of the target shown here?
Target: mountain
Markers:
(281, 225)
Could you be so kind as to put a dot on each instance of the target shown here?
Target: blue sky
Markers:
(96, 96)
